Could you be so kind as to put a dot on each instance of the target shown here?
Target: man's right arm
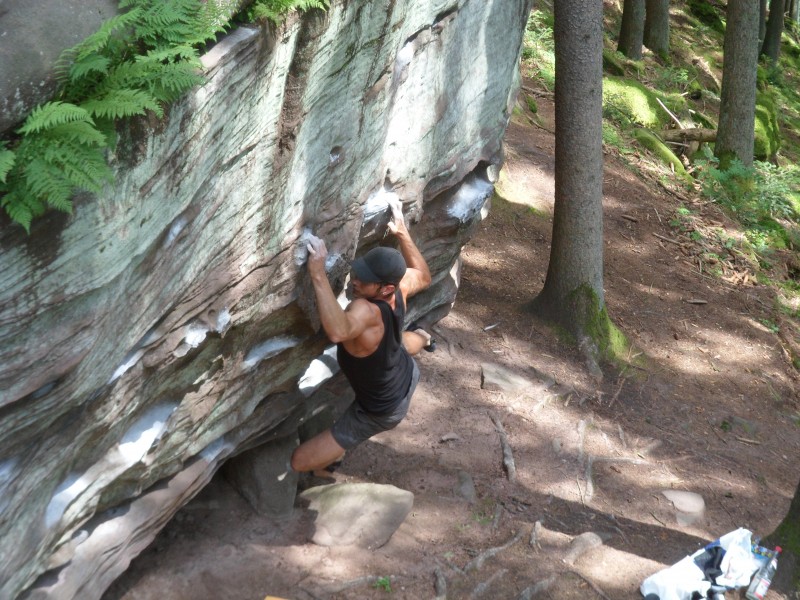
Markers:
(340, 325)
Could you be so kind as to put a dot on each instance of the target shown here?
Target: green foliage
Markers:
(649, 140)
(276, 10)
(383, 583)
(673, 79)
(708, 14)
(538, 47)
(767, 131)
(760, 197)
(7, 158)
(135, 64)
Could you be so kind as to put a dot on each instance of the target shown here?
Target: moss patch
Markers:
(649, 140)
(637, 103)
(590, 328)
(768, 138)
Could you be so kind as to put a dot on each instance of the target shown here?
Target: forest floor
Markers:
(713, 411)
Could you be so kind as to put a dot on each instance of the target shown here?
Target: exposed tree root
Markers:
(478, 561)
(592, 584)
(440, 584)
(482, 588)
(508, 456)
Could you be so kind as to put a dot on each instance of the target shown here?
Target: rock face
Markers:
(170, 324)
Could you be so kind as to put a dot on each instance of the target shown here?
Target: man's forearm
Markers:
(331, 314)
(410, 252)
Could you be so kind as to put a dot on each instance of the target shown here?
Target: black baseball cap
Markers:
(380, 265)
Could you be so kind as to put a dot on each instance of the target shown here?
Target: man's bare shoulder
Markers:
(362, 308)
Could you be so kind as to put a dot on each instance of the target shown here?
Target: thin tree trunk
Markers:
(794, 12)
(762, 21)
(786, 535)
(656, 26)
(736, 131)
(631, 33)
(772, 40)
(575, 273)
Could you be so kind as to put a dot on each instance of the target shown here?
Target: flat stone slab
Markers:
(689, 507)
(357, 514)
(497, 378)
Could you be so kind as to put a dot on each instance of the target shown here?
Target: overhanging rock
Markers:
(168, 324)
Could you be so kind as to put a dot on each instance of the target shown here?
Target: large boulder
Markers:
(169, 324)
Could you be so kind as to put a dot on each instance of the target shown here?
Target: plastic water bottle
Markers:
(763, 577)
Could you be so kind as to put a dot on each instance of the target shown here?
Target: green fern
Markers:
(51, 114)
(96, 43)
(6, 162)
(121, 103)
(276, 10)
(136, 63)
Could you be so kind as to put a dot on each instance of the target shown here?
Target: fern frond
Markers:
(78, 131)
(212, 19)
(276, 10)
(174, 79)
(7, 158)
(172, 54)
(101, 38)
(47, 183)
(81, 166)
(120, 103)
(17, 209)
(51, 114)
(166, 21)
(92, 63)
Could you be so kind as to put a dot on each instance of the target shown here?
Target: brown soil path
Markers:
(715, 413)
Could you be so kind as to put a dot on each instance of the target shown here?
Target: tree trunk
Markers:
(772, 40)
(762, 21)
(794, 11)
(694, 134)
(736, 130)
(656, 26)
(631, 33)
(787, 536)
(573, 291)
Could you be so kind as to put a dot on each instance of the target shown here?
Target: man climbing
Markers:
(373, 351)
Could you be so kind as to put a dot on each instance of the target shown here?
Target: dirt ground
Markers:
(715, 412)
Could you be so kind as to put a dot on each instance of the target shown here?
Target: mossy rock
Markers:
(612, 62)
(768, 136)
(708, 14)
(650, 141)
(704, 120)
(639, 103)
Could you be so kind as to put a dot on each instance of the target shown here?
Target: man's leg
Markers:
(316, 453)
(416, 340)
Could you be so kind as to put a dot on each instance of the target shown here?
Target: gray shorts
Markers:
(357, 425)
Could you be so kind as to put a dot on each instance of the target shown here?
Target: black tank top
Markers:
(382, 379)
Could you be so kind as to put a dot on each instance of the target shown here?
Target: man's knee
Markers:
(297, 463)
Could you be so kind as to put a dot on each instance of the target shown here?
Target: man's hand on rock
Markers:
(397, 221)
(317, 254)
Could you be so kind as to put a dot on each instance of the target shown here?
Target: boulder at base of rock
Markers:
(357, 514)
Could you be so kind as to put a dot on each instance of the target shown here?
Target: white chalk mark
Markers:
(320, 370)
(147, 429)
(269, 349)
(69, 489)
(470, 198)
